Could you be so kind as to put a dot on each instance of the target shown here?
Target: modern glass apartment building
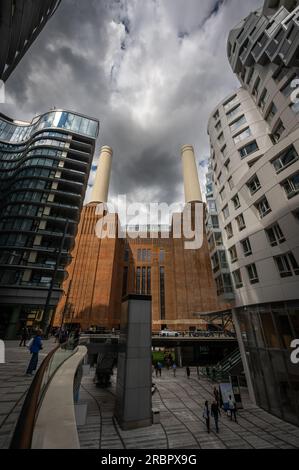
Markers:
(44, 169)
(254, 164)
(21, 21)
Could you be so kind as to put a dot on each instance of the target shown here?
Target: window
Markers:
(263, 207)
(278, 132)
(227, 165)
(255, 90)
(221, 137)
(236, 202)
(233, 100)
(216, 115)
(242, 135)
(279, 74)
(233, 112)
(241, 222)
(246, 246)
(238, 278)
(218, 126)
(211, 205)
(218, 239)
(253, 185)
(149, 255)
(143, 280)
(229, 231)
(215, 221)
(230, 182)
(238, 123)
(161, 255)
(252, 273)
(250, 74)
(138, 280)
(287, 265)
(138, 255)
(224, 151)
(225, 212)
(287, 88)
(285, 159)
(233, 254)
(222, 194)
(263, 99)
(275, 235)
(271, 113)
(248, 149)
(126, 257)
(291, 185)
(162, 293)
(148, 280)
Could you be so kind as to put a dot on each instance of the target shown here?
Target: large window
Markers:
(253, 185)
(246, 247)
(233, 254)
(229, 231)
(236, 202)
(238, 123)
(275, 235)
(277, 133)
(285, 159)
(237, 278)
(241, 222)
(143, 280)
(287, 265)
(252, 273)
(233, 100)
(263, 207)
(242, 135)
(225, 212)
(162, 293)
(291, 185)
(248, 149)
(271, 113)
(234, 112)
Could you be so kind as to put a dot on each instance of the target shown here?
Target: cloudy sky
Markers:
(151, 71)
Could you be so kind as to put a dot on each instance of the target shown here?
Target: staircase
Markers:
(230, 365)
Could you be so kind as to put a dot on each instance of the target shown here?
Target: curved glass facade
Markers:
(43, 179)
(75, 123)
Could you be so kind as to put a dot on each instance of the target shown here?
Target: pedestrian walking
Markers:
(215, 412)
(35, 347)
(159, 368)
(188, 371)
(174, 369)
(24, 336)
(232, 408)
(206, 415)
(216, 395)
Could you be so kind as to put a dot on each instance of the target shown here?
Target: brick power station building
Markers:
(103, 271)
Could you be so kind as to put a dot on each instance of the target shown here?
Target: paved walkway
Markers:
(14, 385)
(180, 402)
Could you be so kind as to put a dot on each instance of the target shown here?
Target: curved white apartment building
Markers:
(253, 183)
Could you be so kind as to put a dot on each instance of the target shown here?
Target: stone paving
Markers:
(14, 385)
(180, 401)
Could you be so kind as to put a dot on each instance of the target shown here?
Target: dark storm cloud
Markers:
(146, 69)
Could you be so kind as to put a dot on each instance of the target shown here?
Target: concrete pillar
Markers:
(12, 329)
(191, 181)
(133, 407)
(102, 179)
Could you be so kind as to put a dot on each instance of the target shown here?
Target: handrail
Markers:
(23, 432)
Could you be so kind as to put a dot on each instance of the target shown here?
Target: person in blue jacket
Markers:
(35, 347)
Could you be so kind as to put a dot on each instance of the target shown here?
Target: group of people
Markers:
(215, 412)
